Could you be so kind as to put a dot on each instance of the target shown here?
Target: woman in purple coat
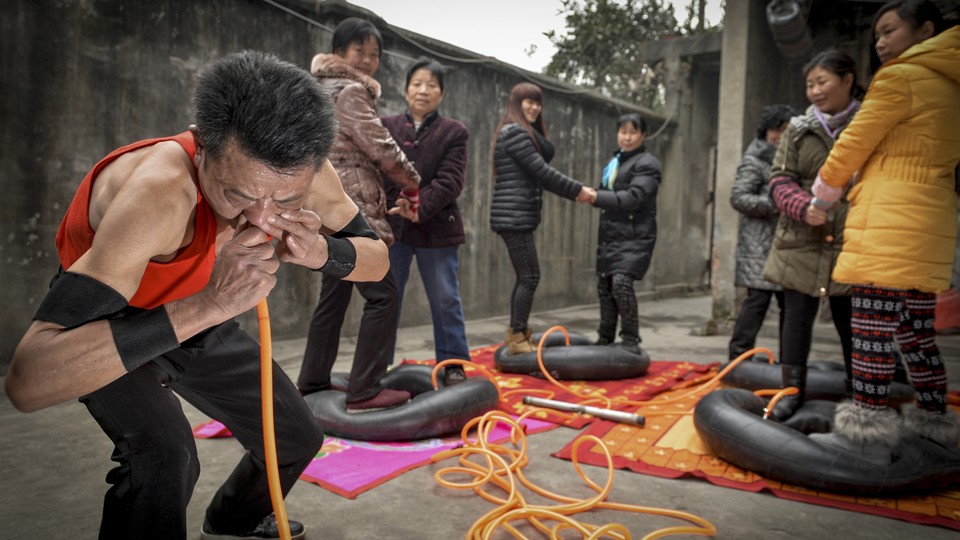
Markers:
(429, 228)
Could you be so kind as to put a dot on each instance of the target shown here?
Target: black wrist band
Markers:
(143, 336)
(341, 258)
(76, 299)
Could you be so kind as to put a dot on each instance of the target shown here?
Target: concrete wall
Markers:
(80, 78)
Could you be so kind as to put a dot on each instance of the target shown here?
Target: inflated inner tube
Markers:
(581, 361)
(430, 413)
(825, 380)
(730, 422)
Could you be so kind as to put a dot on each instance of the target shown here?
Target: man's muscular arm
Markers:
(327, 211)
(149, 216)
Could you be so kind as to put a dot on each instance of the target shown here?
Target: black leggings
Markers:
(799, 314)
(523, 255)
(618, 299)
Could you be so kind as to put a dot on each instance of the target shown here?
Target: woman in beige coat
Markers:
(363, 153)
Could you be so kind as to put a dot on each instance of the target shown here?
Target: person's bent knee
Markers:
(302, 446)
(162, 461)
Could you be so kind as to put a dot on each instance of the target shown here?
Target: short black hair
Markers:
(355, 30)
(274, 111)
(772, 117)
(638, 121)
(915, 12)
(436, 68)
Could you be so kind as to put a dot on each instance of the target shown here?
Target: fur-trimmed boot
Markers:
(792, 376)
(941, 428)
(519, 342)
(871, 434)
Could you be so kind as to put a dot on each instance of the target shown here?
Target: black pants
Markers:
(378, 330)
(218, 372)
(798, 319)
(750, 319)
(523, 256)
(618, 300)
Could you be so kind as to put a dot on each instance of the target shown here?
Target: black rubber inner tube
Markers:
(577, 362)
(825, 380)
(430, 413)
(730, 422)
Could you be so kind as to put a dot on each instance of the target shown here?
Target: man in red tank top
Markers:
(168, 240)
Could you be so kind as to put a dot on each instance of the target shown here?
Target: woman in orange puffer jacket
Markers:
(901, 229)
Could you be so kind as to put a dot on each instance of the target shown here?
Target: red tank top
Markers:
(183, 276)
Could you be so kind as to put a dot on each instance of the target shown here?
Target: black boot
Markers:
(630, 342)
(603, 340)
(792, 376)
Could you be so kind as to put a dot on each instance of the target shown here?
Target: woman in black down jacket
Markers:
(628, 230)
(521, 169)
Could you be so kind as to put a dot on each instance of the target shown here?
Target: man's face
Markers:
(237, 185)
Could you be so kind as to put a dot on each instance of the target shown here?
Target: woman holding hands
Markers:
(901, 231)
(522, 154)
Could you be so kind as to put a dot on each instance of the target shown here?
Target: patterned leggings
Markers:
(879, 315)
(523, 256)
(618, 298)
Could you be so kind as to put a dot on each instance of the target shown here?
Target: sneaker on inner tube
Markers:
(384, 399)
(268, 528)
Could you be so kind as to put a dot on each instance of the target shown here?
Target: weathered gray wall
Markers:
(80, 78)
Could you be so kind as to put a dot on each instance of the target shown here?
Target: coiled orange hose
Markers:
(269, 437)
(502, 469)
(502, 465)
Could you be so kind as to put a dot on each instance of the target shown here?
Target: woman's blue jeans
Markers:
(438, 269)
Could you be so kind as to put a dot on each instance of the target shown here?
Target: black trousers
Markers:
(750, 319)
(378, 331)
(797, 333)
(218, 372)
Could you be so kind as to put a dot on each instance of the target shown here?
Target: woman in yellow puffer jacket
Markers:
(901, 228)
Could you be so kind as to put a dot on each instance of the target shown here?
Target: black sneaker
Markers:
(267, 528)
(454, 375)
(603, 341)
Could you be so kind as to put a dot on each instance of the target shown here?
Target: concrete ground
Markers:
(53, 462)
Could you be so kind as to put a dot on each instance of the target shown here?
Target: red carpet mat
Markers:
(668, 446)
(348, 468)
(660, 377)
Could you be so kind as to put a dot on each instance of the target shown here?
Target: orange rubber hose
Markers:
(702, 386)
(269, 437)
(501, 471)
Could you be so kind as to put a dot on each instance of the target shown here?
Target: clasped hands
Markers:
(587, 195)
(245, 269)
(823, 193)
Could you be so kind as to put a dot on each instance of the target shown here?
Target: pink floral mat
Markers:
(349, 468)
